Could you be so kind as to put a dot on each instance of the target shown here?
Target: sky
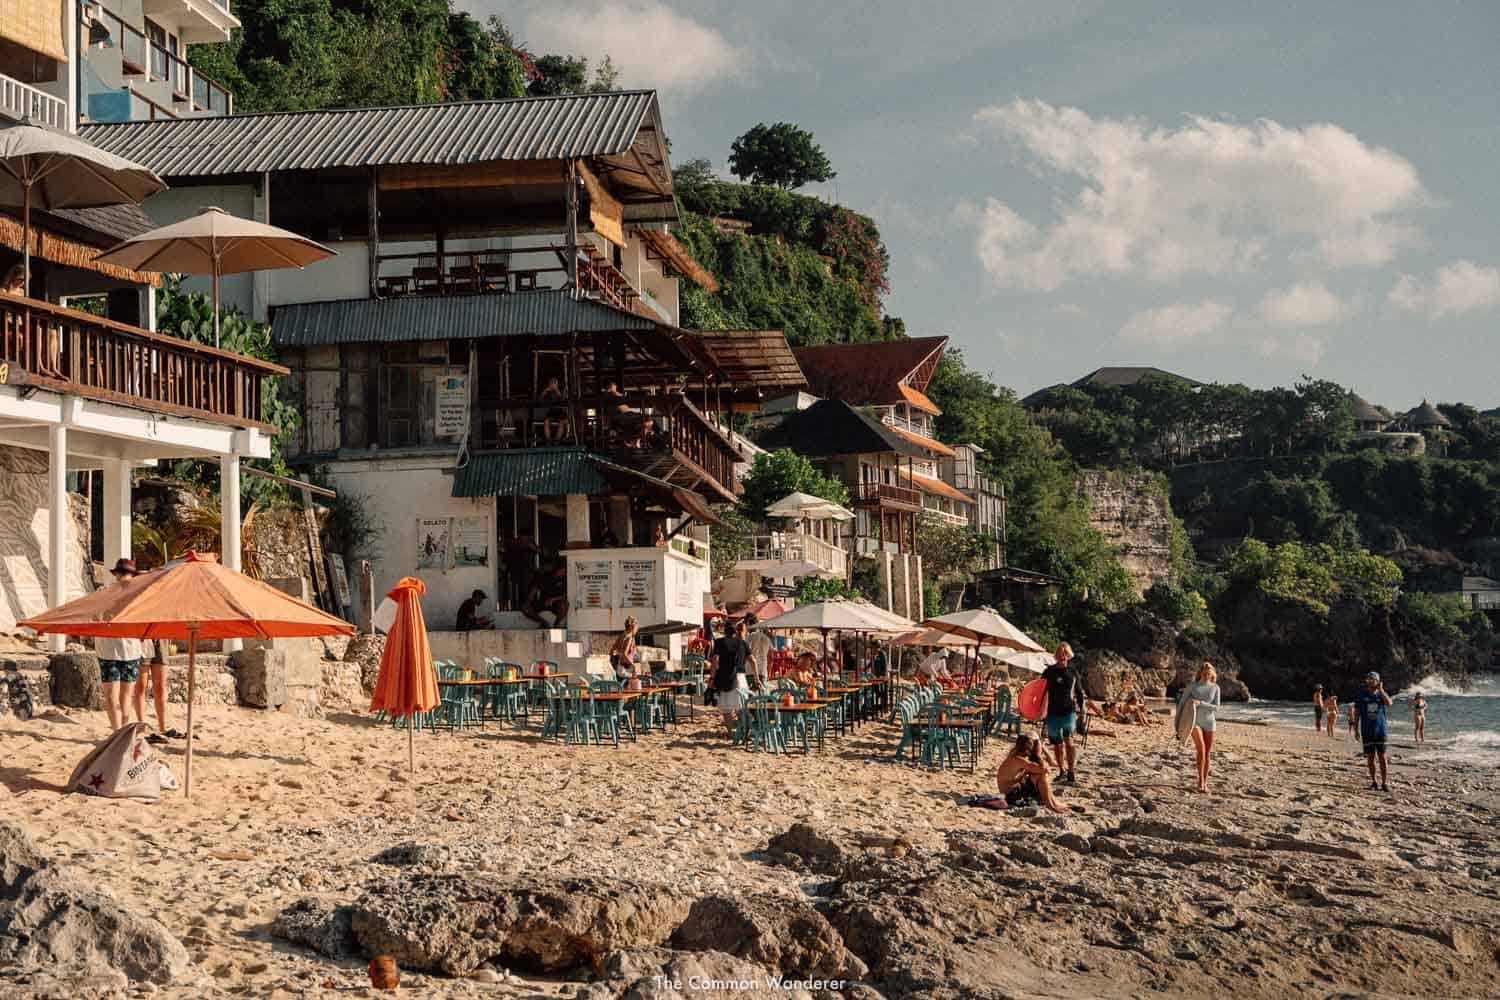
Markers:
(1236, 192)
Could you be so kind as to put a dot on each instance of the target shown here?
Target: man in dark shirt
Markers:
(1060, 712)
(1370, 704)
(469, 617)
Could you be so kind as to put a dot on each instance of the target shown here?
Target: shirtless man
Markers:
(1022, 777)
(1318, 708)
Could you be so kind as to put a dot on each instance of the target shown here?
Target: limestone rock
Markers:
(320, 924)
(366, 650)
(664, 973)
(260, 677)
(802, 844)
(75, 681)
(453, 923)
(780, 933)
(51, 921)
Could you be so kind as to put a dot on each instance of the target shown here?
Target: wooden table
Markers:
(806, 708)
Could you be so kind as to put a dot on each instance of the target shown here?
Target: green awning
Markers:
(543, 472)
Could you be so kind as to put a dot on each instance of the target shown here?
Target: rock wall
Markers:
(1133, 514)
(23, 538)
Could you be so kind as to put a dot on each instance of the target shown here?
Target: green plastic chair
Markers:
(764, 725)
(1004, 721)
(580, 724)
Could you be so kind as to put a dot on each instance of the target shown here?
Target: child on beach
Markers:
(1205, 691)
(1419, 716)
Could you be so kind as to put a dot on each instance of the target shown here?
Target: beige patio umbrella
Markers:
(984, 627)
(216, 243)
(50, 169)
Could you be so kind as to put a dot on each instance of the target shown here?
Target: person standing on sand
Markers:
(1060, 712)
(1372, 703)
(157, 669)
(1318, 708)
(760, 656)
(730, 656)
(1331, 712)
(1419, 716)
(119, 662)
(1205, 692)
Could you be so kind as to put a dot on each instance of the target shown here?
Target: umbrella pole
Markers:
(187, 767)
(216, 302)
(26, 240)
(411, 753)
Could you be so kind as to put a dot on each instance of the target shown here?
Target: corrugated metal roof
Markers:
(535, 128)
(530, 472)
(462, 317)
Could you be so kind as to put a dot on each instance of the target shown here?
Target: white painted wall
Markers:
(680, 584)
(345, 276)
(395, 493)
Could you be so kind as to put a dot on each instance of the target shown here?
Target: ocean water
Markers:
(1462, 726)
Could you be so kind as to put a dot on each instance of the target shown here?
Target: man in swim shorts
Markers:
(1372, 703)
(1318, 708)
(1060, 712)
(119, 662)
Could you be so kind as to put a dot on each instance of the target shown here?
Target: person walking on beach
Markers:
(1372, 703)
(1205, 692)
(1331, 712)
(119, 662)
(729, 659)
(760, 656)
(1419, 716)
(1318, 708)
(1060, 712)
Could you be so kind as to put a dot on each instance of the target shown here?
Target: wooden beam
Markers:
(471, 175)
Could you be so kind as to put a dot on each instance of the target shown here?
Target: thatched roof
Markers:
(1427, 415)
(1366, 412)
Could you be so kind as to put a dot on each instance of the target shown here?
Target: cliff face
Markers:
(1132, 513)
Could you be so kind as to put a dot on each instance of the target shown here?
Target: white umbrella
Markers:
(799, 505)
(984, 626)
(49, 169)
(1034, 662)
(837, 615)
(216, 243)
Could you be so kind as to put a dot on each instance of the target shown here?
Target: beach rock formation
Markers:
(365, 651)
(781, 933)
(452, 923)
(1132, 512)
(75, 681)
(53, 923)
(324, 925)
(664, 974)
(260, 677)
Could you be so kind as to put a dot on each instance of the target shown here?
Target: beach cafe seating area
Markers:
(938, 727)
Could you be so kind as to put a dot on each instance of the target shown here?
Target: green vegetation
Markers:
(781, 155)
(1313, 575)
(780, 473)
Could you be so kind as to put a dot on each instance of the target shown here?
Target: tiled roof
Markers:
(919, 400)
(868, 374)
(937, 447)
(939, 488)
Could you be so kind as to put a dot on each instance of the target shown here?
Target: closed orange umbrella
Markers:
(195, 599)
(406, 684)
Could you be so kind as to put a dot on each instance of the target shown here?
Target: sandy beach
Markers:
(1291, 879)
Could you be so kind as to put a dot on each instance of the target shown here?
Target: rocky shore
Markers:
(511, 868)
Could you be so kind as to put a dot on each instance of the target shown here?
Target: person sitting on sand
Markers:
(1418, 716)
(1022, 778)
(1372, 703)
(1205, 692)
(1318, 708)
(1331, 711)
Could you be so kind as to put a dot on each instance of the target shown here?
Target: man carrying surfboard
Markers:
(1060, 712)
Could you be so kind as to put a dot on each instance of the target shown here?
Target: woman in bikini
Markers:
(1022, 777)
(1331, 712)
(1419, 716)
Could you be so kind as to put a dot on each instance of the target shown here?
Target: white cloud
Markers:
(1306, 304)
(1179, 323)
(1208, 197)
(651, 44)
(1305, 348)
(1462, 286)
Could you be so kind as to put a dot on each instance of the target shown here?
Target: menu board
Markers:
(471, 541)
(432, 542)
(592, 579)
(452, 406)
(637, 583)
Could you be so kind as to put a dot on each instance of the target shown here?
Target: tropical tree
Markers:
(781, 155)
(779, 473)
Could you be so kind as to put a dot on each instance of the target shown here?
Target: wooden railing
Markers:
(866, 493)
(695, 438)
(51, 347)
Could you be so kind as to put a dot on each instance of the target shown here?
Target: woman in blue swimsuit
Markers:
(1204, 691)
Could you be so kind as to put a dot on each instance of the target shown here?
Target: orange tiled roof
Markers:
(923, 442)
(869, 374)
(939, 488)
(918, 399)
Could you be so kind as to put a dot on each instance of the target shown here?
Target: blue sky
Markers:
(1239, 192)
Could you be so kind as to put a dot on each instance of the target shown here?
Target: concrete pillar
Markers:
(229, 523)
(916, 574)
(116, 511)
(883, 575)
(59, 525)
(579, 536)
(619, 519)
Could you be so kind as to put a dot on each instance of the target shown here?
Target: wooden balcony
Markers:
(884, 494)
(789, 553)
(692, 453)
(63, 350)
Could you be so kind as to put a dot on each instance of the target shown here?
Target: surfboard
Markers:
(1029, 702)
(1187, 716)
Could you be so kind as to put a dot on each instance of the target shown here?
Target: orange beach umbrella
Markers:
(406, 684)
(195, 599)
